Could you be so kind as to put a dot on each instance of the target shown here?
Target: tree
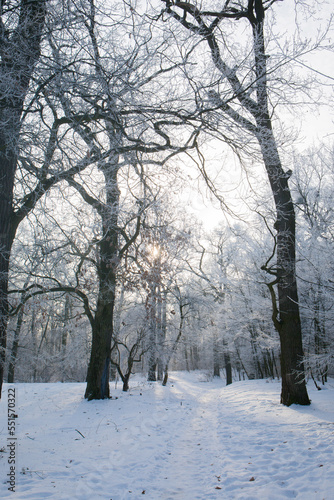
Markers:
(27, 151)
(21, 28)
(247, 106)
(133, 355)
(87, 109)
(96, 109)
(117, 113)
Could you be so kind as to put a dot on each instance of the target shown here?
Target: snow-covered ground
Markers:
(194, 439)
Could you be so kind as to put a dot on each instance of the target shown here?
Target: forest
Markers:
(166, 192)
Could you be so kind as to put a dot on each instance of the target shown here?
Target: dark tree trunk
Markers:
(228, 367)
(64, 337)
(152, 337)
(4, 268)
(19, 51)
(152, 356)
(99, 363)
(320, 343)
(15, 347)
(162, 312)
(126, 382)
(258, 370)
(288, 320)
(8, 161)
(102, 327)
(216, 369)
(216, 356)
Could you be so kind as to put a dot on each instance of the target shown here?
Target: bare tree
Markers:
(133, 354)
(247, 106)
(97, 112)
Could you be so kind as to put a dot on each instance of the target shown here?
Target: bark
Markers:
(320, 342)
(126, 382)
(186, 357)
(64, 337)
(102, 326)
(216, 356)
(228, 364)
(152, 338)
(165, 379)
(19, 52)
(162, 314)
(99, 363)
(15, 347)
(288, 323)
(228, 367)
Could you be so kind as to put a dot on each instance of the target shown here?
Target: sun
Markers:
(155, 251)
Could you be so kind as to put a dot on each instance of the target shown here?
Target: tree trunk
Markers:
(228, 367)
(4, 268)
(152, 338)
(228, 364)
(165, 379)
(216, 355)
(288, 321)
(8, 161)
(126, 382)
(102, 327)
(14, 350)
(99, 363)
(15, 347)
(162, 330)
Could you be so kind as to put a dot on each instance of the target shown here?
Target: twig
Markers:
(80, 433)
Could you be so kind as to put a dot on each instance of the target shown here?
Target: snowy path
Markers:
(227, 444)
(192, 440)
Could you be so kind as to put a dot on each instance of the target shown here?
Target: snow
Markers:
(194, 439)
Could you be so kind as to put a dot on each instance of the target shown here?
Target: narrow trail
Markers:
(195, 448)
